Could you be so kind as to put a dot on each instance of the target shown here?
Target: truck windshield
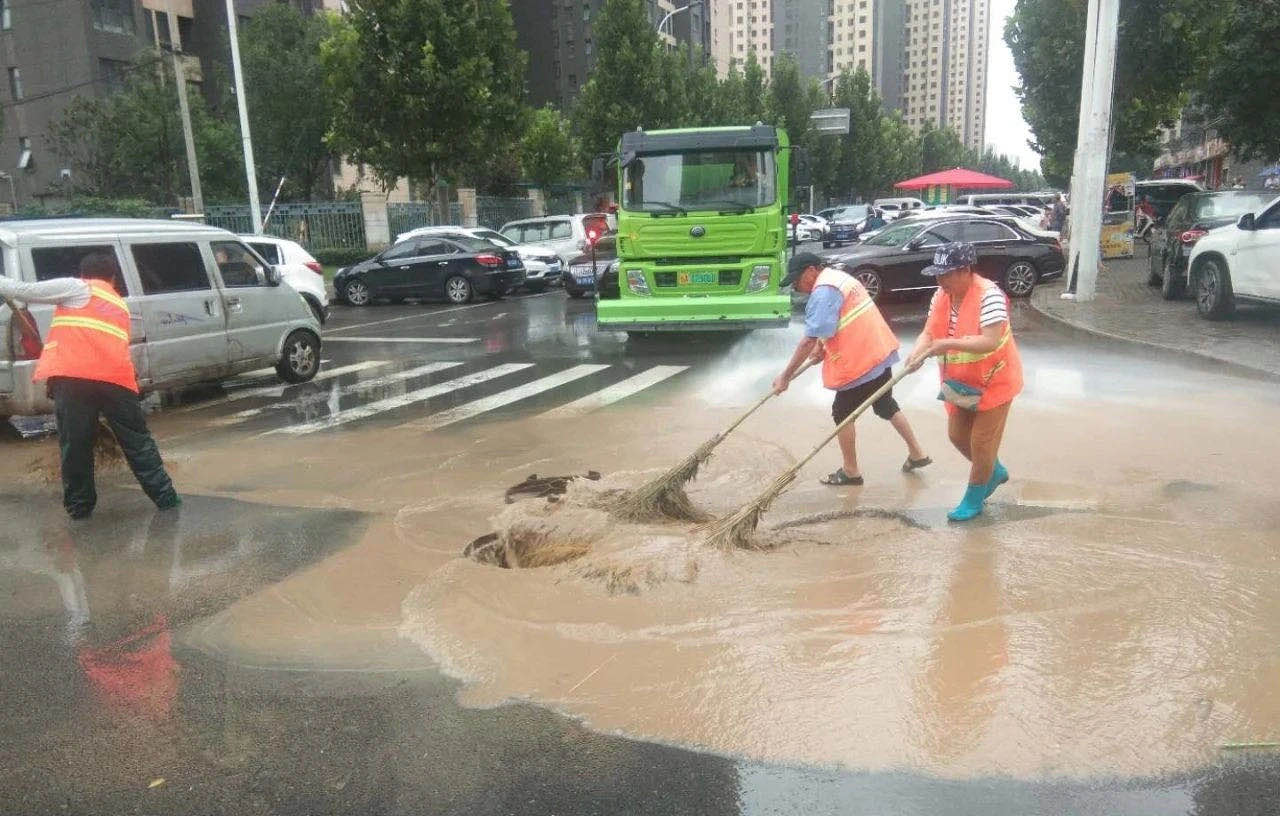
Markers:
(703, 180)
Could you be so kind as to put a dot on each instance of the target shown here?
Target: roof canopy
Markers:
(959, 177)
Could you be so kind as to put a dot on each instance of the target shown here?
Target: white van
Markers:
(566, 235)
(898, 205)
(204, 306)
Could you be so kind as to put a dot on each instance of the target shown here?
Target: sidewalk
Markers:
(1127, 309)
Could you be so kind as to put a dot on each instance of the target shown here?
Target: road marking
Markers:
(376, 382)
(255, 377)
(427, 314)
(613, 393)
(278, 390)
(484, 404)
(401, 400)
(445, 340)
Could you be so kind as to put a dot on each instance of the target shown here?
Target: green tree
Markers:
(788, 103)
(130, 144)
(548, 152)
(754, 89)
(941, 149)
(427, 89)
(1242, 83)
(289, 118)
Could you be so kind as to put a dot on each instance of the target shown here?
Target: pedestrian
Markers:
(874, 221)
(1059, 219)
(846, 331)
(89, 373)
(968, 327)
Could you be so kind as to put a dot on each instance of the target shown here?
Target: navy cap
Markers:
(950, 257)
(798, 264)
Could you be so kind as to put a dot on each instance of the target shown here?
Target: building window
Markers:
(24, 153)
(5, 23)
(15, 84)
(112, 73)
(115, 16)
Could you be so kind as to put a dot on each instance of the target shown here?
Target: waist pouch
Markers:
(960, 395)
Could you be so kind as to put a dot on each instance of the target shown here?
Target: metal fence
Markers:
(315, 225)
(493, 211)
(561, 203)
(407, 215)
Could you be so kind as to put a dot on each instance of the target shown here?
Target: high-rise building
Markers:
(558, 37)
(749, 27)
(944, 66)
(800, 29)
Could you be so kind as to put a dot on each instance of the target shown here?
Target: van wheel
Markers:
(458, 289)
(301, 358)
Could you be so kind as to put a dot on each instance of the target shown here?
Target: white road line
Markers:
(613, 393)
(426, 315)
(255, 377)
(376, 382)
(480, 406)
(444, 340)
(278, 390)
(401, 400)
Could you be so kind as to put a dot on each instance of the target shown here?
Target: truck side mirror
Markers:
(800, 172)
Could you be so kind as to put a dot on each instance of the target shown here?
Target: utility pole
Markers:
(1093, 140)
(251, 173)
(180, 77)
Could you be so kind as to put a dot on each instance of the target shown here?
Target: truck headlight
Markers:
(759, 278)
(636, 282)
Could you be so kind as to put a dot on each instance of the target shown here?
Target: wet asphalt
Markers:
(108, 709)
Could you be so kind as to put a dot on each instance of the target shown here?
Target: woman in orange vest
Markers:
(968, 327)
(846, 331)
(90, 374)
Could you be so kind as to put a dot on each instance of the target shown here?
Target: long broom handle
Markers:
(808, 362)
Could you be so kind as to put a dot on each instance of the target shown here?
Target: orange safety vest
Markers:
(862, 340)
(998, 373)
(92, 342)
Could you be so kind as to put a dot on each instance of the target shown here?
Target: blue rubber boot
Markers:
(999, 475)
(971, 505)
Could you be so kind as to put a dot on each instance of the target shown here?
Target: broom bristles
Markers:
(737, 532)
(665, 496)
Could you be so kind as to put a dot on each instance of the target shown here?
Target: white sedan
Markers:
(298, 268)
(1237, 263)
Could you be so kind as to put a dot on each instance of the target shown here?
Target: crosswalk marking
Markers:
(439, 340)
(278, 390)
(376, 382)
(613, 393)
(401, 400)
(480, 406)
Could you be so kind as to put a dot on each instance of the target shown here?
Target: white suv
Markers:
(298, 268)
(542, 266)
(1239, 262)
(566, 235)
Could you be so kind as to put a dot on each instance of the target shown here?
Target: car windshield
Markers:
(494, 236)
(700, 180)
(856, 213)
(896, 235)
(1227, 205)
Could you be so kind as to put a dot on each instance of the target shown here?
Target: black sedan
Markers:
(584, 270)
(1190, 220)
(428, 266)
(1009, 254)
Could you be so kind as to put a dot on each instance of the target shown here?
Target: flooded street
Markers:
(305, 636)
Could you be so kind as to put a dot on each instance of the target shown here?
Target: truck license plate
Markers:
(688, 278)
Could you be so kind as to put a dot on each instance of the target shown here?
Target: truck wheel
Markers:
(301, 358)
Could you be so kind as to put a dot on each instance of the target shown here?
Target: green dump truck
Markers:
(702, 230)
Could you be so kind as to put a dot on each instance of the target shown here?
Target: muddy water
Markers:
(1115, 612)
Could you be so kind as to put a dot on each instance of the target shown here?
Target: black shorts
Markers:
(847, 401)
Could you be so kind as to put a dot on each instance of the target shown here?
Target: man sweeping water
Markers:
(846, 331)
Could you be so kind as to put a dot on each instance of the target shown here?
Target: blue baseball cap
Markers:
(950, 257)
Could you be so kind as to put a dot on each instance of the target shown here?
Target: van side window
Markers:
(237, 265)
(269, 252)
(64, 262)
(561, 229)
(176, 267)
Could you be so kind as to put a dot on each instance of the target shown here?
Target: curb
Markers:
(1168, 352)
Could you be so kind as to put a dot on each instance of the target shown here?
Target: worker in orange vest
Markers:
(968, 327)
(846, 331)
(89, 372)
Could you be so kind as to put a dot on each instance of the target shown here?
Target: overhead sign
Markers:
(830, 120)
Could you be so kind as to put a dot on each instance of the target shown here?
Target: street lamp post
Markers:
(674, 12)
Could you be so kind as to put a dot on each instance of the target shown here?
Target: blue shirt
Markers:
(822, 316)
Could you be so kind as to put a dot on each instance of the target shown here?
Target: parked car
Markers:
(1193, 218)
(205, 306)
(897, 205)
(428, 266)
(566, 235)
(989, 199)
(542, 266)
(1164, 194)
(1008, 253)
(298, 268)
(584, 270)
(816, 223)
(1239, 262)
(845, 223)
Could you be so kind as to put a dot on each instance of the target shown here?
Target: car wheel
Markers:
(870, 280)
(1214, 297)
(1020, 279)
(458, 290)
(301, 358)
(356, 293)
(1154, 275)
(1170, 282)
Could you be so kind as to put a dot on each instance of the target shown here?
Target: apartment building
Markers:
(749, 27)
(944, 66)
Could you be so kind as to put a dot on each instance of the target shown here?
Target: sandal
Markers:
(915, 464)
(840, 479)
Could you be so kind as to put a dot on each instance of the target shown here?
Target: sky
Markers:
(1007, 131)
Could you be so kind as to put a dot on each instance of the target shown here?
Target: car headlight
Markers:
(759, 277)
(636, 282)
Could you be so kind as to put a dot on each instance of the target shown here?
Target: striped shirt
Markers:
(992, 311)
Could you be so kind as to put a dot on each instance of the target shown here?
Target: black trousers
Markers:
(78, 404)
